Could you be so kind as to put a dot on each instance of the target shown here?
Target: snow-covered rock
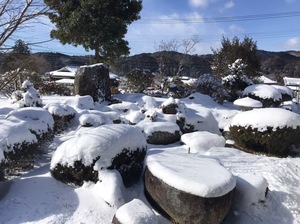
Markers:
(161, 132)
(188, 187)
(135, 212)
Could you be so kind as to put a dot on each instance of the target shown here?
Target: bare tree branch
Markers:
(15, 13)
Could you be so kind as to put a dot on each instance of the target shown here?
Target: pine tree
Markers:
(234, 49)
(98, 25)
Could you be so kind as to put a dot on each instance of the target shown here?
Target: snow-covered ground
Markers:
(36, 197)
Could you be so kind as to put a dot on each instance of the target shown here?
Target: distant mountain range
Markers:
(275, 65)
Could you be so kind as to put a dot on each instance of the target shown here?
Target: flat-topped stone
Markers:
(188, 188)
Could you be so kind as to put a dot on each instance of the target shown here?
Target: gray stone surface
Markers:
(93, 80)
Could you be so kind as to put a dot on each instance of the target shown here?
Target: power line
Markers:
(219, 19)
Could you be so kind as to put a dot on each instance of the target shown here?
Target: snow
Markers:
(36, 197)
(110, 188)
(136, 212)
(284, 90)
(163, 126)
(248, 102)
(201, 141)
(263, 91)
(60, 109)
(250, 189)
(183, 173)
(267, 117)
(106, 141)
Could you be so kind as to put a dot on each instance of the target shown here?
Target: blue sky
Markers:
(209, 19)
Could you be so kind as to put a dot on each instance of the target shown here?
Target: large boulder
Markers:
(114, 146)
(135, 212)
(190, 188)
(93, 80)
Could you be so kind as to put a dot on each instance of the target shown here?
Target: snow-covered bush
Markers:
(273, 131)
(2, 161)
(268, 95)
(21, 135)
(286, 92)
(234, 85)
(210, 85)
(31, 97)
(115, 146)
(62, 115)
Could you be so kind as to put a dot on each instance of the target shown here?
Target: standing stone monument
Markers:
(93, 80)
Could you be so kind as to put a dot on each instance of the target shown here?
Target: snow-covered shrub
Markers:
(50, 88)
(2, 161)
(273, 131)
(62, 115)
(234, 85)
(286, 92)
(22, 133)
(210, 85)
(268, 95)
(115, 146)
(94, 118)
(31, 97)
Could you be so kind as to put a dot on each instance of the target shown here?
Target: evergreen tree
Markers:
(230, 51)
(98, 25)
(21, 47)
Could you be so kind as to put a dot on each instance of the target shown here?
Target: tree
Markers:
(20, 65)
(15, 13)
(187, 46)
(98, 25)
(233, 50)
(21, 47)
(137, 81)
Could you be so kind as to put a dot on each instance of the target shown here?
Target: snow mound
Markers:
(284, 90)
(35, 119)
(147, 102)
(263, 91)
(191, 173)
(105, 141)
(201, 141)
(248, 102)
(136, 212)
(60, 109)
(110, 188)
(267, 117)
(250, 189)
(161, 126)
(81, 102)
